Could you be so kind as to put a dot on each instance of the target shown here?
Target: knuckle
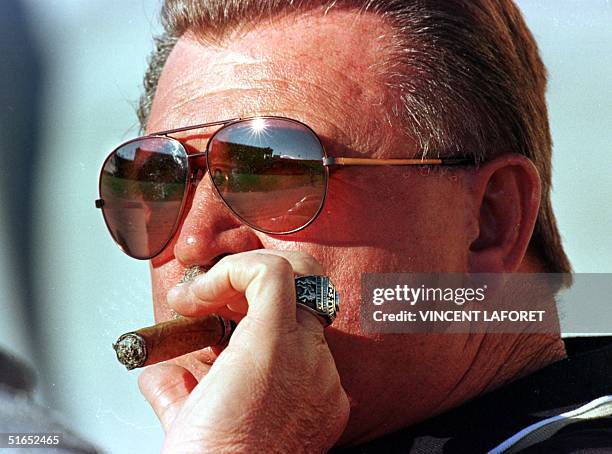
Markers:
(275, 264)
(306, 262)
(301, 255)
(228, 259)
(312, 264)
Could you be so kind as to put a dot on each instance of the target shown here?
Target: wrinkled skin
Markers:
(282, 378)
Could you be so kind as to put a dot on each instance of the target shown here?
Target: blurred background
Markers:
(70, 77)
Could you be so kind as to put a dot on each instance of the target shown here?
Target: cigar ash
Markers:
(131, 350)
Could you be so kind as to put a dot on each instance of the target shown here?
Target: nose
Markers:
(209, 230)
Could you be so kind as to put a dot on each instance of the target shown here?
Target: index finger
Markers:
(265, 278)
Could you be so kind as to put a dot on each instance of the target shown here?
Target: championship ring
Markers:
(318, 295)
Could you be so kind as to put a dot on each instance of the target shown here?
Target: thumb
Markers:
(166, 387)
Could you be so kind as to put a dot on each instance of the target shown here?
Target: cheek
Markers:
(368, 227)
(419, 221)
(358, 212)
(360, 209)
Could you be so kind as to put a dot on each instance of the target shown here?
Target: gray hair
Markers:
(475, 84)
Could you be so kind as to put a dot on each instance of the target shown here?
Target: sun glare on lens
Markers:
(258, 128)
(258, 125)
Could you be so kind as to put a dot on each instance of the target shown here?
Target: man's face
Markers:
(328, 72)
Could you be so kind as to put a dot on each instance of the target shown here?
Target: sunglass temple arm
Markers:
(340, 161)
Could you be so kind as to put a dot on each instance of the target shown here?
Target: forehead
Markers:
(327, 70)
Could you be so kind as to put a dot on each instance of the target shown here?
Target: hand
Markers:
(274, 388)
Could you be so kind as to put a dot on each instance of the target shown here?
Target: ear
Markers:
(506, 192)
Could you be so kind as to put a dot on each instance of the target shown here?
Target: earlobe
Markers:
(506, 191)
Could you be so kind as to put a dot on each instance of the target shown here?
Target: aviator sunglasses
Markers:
(270, 172)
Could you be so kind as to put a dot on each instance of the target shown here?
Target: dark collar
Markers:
(486, 421)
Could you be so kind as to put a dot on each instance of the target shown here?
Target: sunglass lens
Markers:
(143, 186)
(269, 171)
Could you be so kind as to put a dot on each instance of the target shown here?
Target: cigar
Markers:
(184, 335)
(171, 339)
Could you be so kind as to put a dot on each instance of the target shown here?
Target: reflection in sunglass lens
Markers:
(143, 185)
(269, 171)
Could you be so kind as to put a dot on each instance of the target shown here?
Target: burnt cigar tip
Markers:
(131, 350)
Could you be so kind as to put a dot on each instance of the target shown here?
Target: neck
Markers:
(462, 367)
(519, 355)
(526, 353)
(503, 358)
